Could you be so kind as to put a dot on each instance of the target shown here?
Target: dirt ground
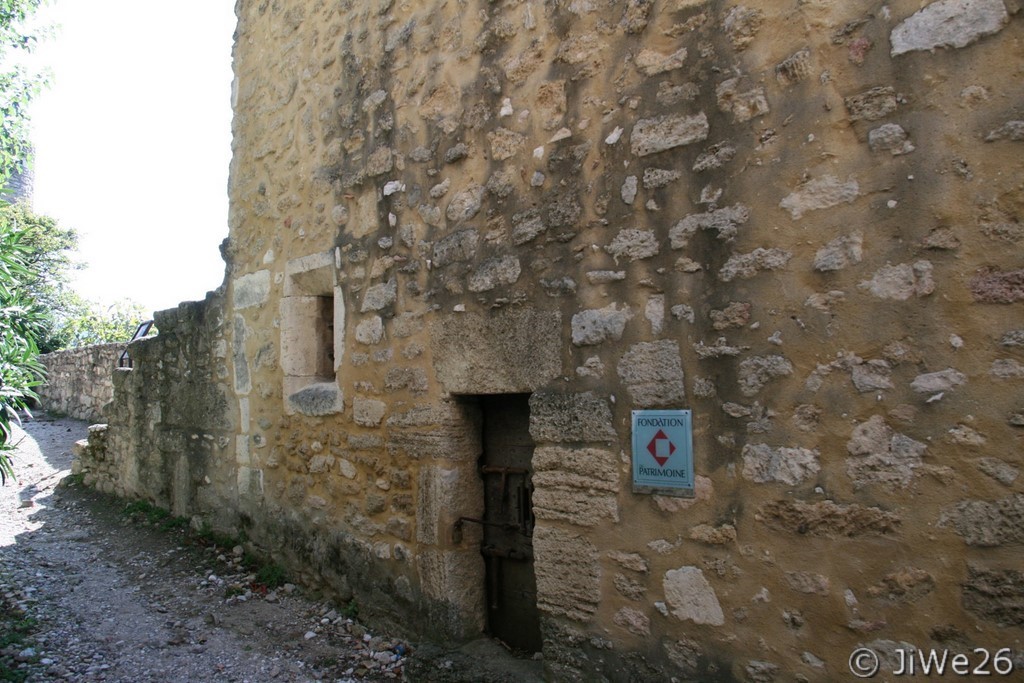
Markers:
(110, 596)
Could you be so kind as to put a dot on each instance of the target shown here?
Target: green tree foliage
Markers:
(85, 322)
(66, 319)
(21, 321)
(20, 318)
(47, 255)
(18, 86)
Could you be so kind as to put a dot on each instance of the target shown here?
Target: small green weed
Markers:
(209, 536)
(144, 511)
(351, 610)
(232, 591)
(250, 561)
(271, 575)
(73, 480)
(14, 633)
(172, 523)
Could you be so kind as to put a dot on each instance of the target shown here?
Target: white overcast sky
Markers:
(133, 143)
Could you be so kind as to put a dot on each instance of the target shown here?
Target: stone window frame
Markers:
(312, 315)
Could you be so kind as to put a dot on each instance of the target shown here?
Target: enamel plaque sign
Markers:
(663, 452)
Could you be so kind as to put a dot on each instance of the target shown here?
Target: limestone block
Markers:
(948, 23)
(839, 253)
(905, 585)
(826, 518)
(634, 590)
(306, 396)
(881, 455)
(808, 582)
(380, 296)
(652, 62)
(661, 133)
(1007, 368)
(550, 102)
(443, 495)
(370, 331)
(872, 375)
(820, 193)
(744, 266)
(736, 314)
(628, 190)
(872, 104)
(935, 382)
(526, 227)
(505, 143)
(465, 204)
(744, 105)
(985, 524)
(495, 272)
(447, 431)
(459, 246)
(890, 137)
(311, 275)
(559, 418)
(634, 244)
(654, 311)
(713, 535)
(653, 374)
(755, 372)
(243, 380)
(795, 68)
(725, 222)
(368, 412)
(406, 324)
(561, 497)
(657, 178)
(685, 654)
(995, 594)
(998, 469)
(792, 466)
(1011, 130)
(251, 290)
(568, 573)
(902, 281)
(413, 379)
(561, 209)
(741, 24)
(633, 620)
(635, 16)
(503, 182)
(717, 156)
(759, 671)
(992, 286)
(455, 153)
(380, 161)
(453, 580)
(691, 597)
(632, 561)
(596, 325)
(502, 351)
(598, 467)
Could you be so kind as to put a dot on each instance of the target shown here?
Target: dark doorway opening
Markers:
(506, 467)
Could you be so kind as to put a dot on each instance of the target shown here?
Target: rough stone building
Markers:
(468, 239)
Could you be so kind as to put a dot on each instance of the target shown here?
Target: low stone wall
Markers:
(168, 419)
(80, 381)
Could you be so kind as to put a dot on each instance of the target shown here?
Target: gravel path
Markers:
(116, 599)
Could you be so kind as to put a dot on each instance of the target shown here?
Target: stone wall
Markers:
(800, 220)
(169, 423)
(78, 381)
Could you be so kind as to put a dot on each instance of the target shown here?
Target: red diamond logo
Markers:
(661, 448)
